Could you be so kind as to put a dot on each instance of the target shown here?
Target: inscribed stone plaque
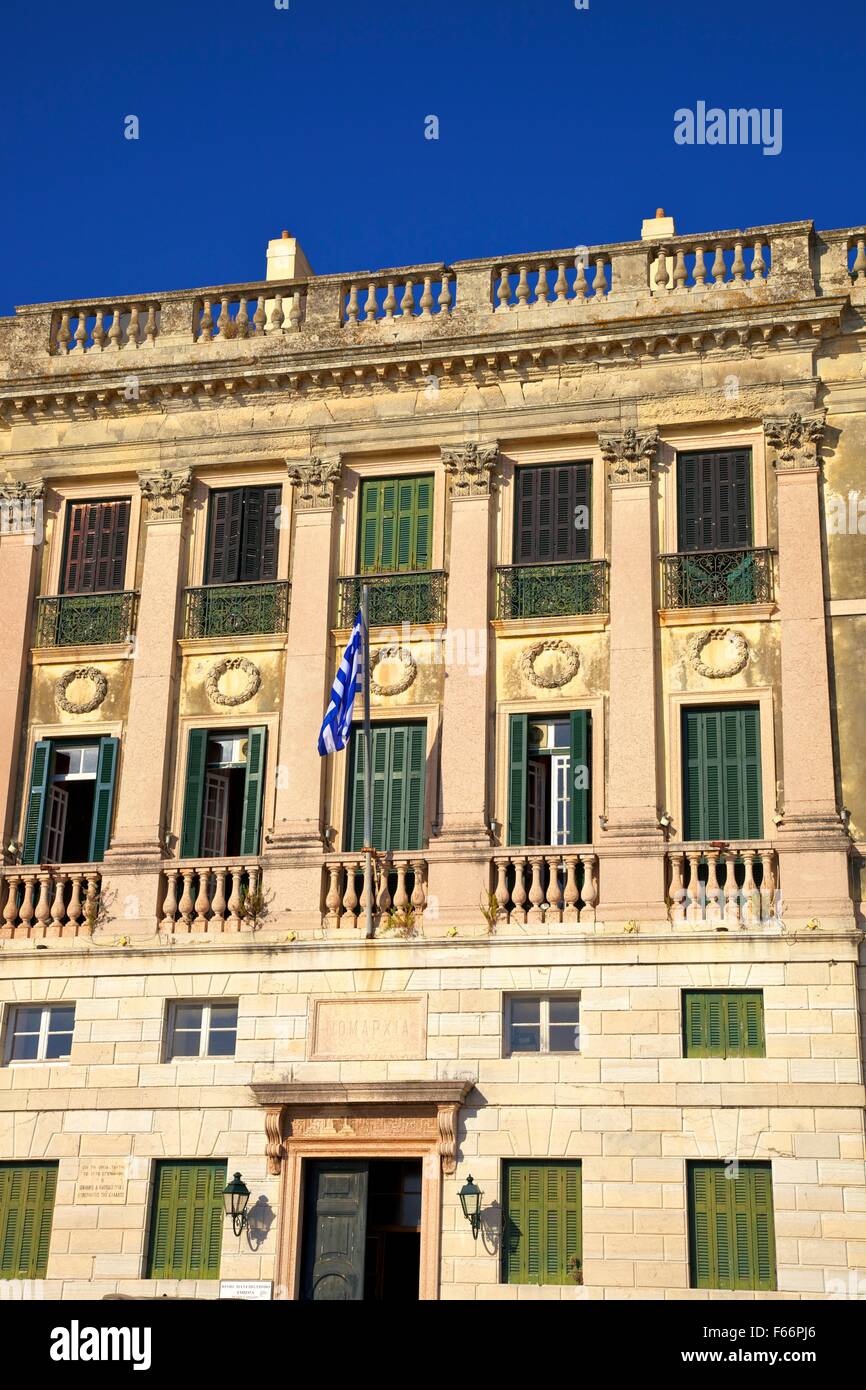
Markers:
(254, 1290)
(381, 1026)
(101, 1181)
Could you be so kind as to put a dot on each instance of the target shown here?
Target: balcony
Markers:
(235, 610)
(217, 897)
(399, 892)
(545, 886)
(732, 885)
(406, 597)
(60, 900)
(552, 591)
(717, 578)
(82, 620)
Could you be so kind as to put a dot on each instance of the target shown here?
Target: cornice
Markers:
(460, 358)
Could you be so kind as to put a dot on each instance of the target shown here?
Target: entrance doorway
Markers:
(362, 1230)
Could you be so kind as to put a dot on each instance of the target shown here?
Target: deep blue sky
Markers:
(556, 128)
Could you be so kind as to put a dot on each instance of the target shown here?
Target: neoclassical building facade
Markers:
(605, 1041)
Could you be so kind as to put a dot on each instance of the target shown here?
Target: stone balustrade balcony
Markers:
(39, 901)
(219, 895)
(83, 620)
(399, 893)
(537, 886)
(730, 885)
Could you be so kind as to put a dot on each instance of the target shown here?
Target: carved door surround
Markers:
(306, 1120)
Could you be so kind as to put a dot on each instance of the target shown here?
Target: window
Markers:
(714, 500)
(187, 1219)
(398, 756)
(202, 1030)
(222, 809)
(549, 779)
(26, 1210)
(69, 803)
(94, 553)
(552, 514)
(242, 535)
(396, 524)
(542, 1023)
(722, 773)
(731, 1237)
(541, 1223)
(720, 1023)
(39, 1033)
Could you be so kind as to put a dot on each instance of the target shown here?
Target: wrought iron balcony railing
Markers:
(551, 591)
(717, 578)
(236, 610)
(80, 620)
(414, 597)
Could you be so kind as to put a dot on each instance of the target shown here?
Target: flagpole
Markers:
(368, 764)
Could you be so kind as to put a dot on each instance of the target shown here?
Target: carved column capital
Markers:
(317, 481)
(472, 468)
(165, 492)
(21, 507)
(629, 456)
(795, 439)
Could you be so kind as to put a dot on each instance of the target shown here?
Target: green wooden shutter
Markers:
(416, 766)
(722, 773)
(398, 754)
(423, 523)
(396, 524)
(193, 801)
(103, 800)
(187, 1220)
(694, 1024)
(518, 730)
(732, 1242)
(371, 509)
(752, 1024)
(723, 1023)
(26, 1209)
(542, 1222)
(579, 797)
(35, 817)
(254, 782)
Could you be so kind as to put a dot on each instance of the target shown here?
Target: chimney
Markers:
(659, 226)
(286, 260)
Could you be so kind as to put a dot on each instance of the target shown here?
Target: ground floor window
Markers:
(362, 1230)
(69, 801)
(541, 1223)
(723, 1023)
(26, 1210)
(731, 1236)
(222, 807)
(187, 1219)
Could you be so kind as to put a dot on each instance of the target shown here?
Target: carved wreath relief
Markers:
(398, 671)
(92, 689)
(550, 664)
(731, 659)
(242, 684)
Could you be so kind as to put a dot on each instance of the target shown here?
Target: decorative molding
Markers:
(554, 679)
(406, 660)
(81, 673)
(472, 468)
(232, 663)
(732, 667)
(317, 482)
(446, 1120)
(629, 456)
(795, 439)
(21, 507)
(165, 493)
(274, 1138)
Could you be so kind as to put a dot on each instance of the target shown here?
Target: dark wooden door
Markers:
(335, 1222)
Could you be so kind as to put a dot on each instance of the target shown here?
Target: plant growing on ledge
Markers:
(575, 1269)
(490, 910)
(254, 905)
(400, 921)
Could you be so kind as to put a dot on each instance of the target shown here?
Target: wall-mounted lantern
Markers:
(470, 1201)
(236, 1194)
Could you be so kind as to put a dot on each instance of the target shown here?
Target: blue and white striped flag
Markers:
(334, 733)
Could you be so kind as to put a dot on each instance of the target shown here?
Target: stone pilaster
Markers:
(632, 842)
(149, 748)
(812, 843)
(21, 533)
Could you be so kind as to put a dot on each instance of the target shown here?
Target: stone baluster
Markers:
(554, 889)
(260, 318)
(350, 897)
(759, 265)
(522, 290)
(133, 336)
(738, 267)
(75, 908)
(503, 290)
(590, 883)
(275, 323)
(542, 289)
(680, 272)
(697, 901)
(218, 905)
(43, 905)
(242, 318)
(427, 298)
(677, 891)
(600, 284)
(169, 904)
(700, 271)
(115, 332)
(370, 305)
(383, 893)
(407, 303)
(80, 334)
(858, 269)
(571, 911)
(10, 907)
(352, 307)
(150, 324)
(235, 901)
(536, 892)
(28, 903)
(768, 908)
(501, 890)
(64, 333)
(581, 288)
(731, 893)
(58, 904)
(714, 893)
(401, 897)
(518, 896)
(389, 304)
(224, 320)
(419, 886)
(332, 897)
(187, 902)
(446, 299)
(295, 312)
(202, 902)
(751, 898)
(99, 333)
(719, 270)
(205, 328)
(560, 289)
(365, 899)
(662, 269)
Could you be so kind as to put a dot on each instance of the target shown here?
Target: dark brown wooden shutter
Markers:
(96, 540)
(715, 500)
(224, 547)
(545, 514)
(243, 535)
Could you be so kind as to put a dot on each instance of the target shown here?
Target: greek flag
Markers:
(334, 733)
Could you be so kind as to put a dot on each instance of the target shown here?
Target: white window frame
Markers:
(41, 1047)
(544, 1000)
(204, 1031)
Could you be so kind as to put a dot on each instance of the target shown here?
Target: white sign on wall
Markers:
(256, 1290)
